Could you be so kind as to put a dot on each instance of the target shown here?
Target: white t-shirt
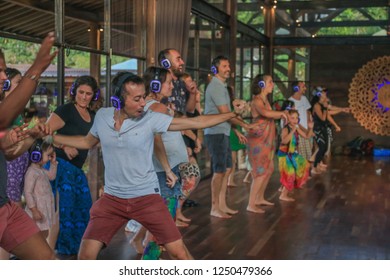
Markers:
(302, 106)
(127, 153)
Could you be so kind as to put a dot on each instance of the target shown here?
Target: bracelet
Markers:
(33, 77)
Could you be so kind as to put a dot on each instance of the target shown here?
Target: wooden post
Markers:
(151, 52)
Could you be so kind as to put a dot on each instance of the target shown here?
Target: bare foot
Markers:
(286, 198)
(255, 210)
(229, 211)
(137, 245)
(219, 214)
(316, 171)
(246, 181)
(182, 218)
(232, 184)
(264, 202)
(180, 223)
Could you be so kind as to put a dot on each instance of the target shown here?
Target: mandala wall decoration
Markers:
(369, 96)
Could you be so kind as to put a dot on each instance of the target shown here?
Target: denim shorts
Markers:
(218, 146)
(167, 191)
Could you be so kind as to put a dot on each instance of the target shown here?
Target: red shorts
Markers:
(109, 213)
(15, 226)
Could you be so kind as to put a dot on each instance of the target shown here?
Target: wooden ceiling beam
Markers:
(316, 5)
(70, 11)
(326, 41)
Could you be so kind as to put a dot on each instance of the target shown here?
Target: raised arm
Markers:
(12, 106)
(199, 122)
(24, 139)
(260, 109)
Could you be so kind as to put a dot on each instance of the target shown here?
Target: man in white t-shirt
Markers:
(303, 106)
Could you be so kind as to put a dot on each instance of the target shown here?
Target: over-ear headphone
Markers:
(261, 84)
(116, 99)
(317, 91)
(7, 83)
(214, 67)
(82, 81)
(295, 86)
(155, 84)
(164, 62)
(36, 151)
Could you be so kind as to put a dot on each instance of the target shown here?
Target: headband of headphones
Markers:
(117, 98)
(77, 83)
(155, 84)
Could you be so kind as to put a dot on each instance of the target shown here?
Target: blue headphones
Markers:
(296, 88)
(317, 91)
(261, 84)
(164, 62)
(155, 84)
(7, 83)
(36, 152)
(77, 83)
(116, 99)
(214, 69)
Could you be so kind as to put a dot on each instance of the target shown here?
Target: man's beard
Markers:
(176, 72)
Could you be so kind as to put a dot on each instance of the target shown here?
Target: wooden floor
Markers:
(342, 214)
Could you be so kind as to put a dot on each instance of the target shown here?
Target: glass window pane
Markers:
(83, 23)
(127, 27)
(205, 44)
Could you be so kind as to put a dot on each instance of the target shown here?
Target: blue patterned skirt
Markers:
(74, 204)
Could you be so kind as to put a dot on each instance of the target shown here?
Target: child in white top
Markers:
(37, 188)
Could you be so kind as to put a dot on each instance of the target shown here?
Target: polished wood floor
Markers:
(341, 214)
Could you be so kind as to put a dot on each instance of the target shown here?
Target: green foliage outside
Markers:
(21, 52)
(18, 51)
(356, 15)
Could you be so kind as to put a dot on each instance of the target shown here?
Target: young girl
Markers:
(37, 188)
(294, 169)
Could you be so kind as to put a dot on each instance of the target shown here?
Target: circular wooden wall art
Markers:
(369, 96)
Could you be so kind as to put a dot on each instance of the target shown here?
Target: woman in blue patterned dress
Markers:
(73, 118)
